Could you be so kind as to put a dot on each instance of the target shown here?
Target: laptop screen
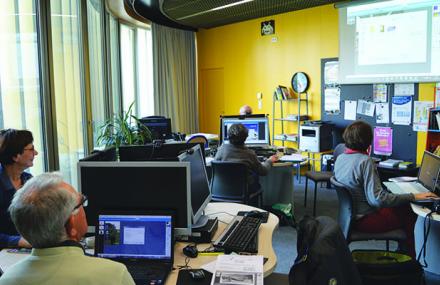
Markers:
(134, 236)
(429, 171)
(258, 129)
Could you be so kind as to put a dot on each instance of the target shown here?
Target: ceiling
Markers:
(195, 13)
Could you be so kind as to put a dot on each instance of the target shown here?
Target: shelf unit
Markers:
(433, 135)
(279, 119)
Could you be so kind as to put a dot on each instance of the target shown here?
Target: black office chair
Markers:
(321, 176)
(229, 183)
(347, 213)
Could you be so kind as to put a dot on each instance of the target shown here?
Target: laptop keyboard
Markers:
(412, 187)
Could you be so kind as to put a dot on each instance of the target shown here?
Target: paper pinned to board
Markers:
(401, 110)
(404, 89)
(350, 110)
(421, 113)
(332, 100)
(365, 108)
(382, 113)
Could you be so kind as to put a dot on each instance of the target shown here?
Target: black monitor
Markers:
(108, 154)
(155, 152)
(257, 125)
(200, 192)
(155, 186)
(160, 127)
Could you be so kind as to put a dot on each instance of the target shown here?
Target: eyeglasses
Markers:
(83, 202)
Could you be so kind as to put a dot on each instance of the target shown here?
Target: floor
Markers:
(284, 240)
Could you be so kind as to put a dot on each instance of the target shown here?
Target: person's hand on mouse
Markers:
(274, 158)
(423, 196)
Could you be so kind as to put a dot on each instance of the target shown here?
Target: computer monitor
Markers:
(148, 185)
(429, 171)
(155, 152)
(200, 192)
(160, 127)
(108, 154)
(257, 125)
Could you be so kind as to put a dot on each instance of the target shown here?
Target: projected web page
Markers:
(390, 41)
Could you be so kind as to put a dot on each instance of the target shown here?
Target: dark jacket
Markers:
(323, 255)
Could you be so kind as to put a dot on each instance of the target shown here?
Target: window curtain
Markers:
(175, 82)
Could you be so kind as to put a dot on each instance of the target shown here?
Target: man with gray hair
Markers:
(245, 110)
(236, 151)
(49, 214)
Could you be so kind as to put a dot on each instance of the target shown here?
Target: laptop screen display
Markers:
(429, 171)
(134, 236)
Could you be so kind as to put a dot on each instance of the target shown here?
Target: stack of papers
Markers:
(390, 162)
(238, 270)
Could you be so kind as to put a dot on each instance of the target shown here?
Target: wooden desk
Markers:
(224, 212)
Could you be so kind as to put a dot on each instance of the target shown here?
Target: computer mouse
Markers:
(190, 251)
(254, 214)
(197, 274)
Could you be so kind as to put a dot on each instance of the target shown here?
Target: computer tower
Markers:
(315, 136)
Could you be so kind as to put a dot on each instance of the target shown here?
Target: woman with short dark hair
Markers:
(378, 209)
(17, 154)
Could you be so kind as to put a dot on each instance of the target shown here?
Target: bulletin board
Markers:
(404, 138)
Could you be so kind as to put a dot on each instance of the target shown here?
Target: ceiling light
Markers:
(215, 9)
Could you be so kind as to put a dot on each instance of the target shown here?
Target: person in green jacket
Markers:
(49, 213)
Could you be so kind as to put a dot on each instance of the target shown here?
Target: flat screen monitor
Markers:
(200, 192)
(155, 186)
(155, 152)
(108, 154)
(257, 125)
(160, 127)
(429, 171)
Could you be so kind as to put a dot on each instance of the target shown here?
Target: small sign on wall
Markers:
(268, 28)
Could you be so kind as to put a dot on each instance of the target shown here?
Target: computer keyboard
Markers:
(145, 272)
(411, 187)
(240, 235)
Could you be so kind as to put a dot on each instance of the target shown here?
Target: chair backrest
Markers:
(229, 181)
(346, 206)
(339, 149)
(198, 139)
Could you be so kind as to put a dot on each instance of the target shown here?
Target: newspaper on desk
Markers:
(238, 270)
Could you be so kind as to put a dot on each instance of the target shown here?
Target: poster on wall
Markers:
(332, 100)
(382, 113)
(383, 141)
(380, 93)
(401, 110)
(350, 110)
(421, 113)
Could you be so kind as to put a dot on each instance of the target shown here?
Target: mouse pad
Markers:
(265, 215)
(184, 278)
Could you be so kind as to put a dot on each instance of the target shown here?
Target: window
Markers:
(20, 95)
(137, 70)
(96, 57)
(66, 46)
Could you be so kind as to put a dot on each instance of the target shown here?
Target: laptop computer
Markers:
(427, 179)
(144, 243)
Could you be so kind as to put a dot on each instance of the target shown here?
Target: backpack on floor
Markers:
(380, 267)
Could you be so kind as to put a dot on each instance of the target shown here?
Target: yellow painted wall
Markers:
(235, 62)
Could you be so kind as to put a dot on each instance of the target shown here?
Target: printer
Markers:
(316, 136)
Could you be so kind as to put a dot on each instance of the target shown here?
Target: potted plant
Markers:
(123, 129)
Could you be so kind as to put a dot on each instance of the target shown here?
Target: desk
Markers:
(385, 173)
(224, 212)
(433, 242)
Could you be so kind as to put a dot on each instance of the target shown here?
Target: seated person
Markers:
(236, 151)
(49, 214)
(245, 110)
(378, 209)
(17, 154)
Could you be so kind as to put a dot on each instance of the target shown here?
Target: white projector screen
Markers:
(389, 42)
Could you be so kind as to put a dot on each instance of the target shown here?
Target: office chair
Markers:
(347, 213)
(198, 139)
(321, 176)
(229, 183)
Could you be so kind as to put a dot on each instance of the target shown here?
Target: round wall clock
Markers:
(300, 82)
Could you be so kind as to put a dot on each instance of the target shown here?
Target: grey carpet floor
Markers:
(284, 239)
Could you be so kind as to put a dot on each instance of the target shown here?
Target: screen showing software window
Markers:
(127, 236)
(390, 41)
(258, 130)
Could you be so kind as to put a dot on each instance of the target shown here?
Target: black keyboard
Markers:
(240, 235)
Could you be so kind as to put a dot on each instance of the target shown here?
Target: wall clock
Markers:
(300, 82)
